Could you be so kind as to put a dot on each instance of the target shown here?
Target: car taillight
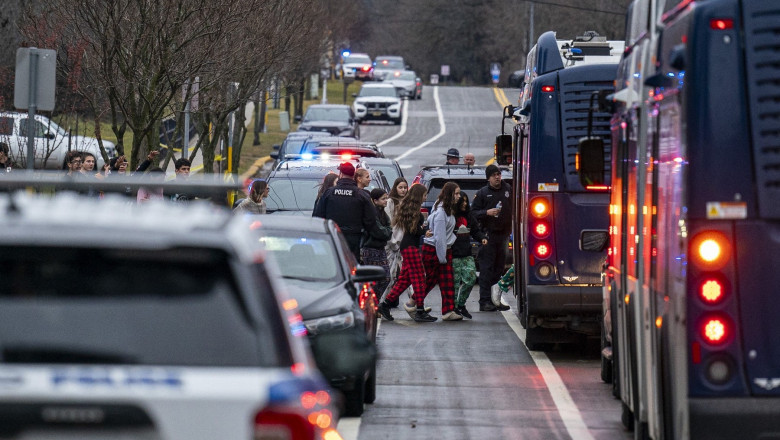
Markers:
(715, 330)
(280, 423)
(366, 68)
(710, 250)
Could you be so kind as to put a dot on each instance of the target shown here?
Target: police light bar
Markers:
(345, 53)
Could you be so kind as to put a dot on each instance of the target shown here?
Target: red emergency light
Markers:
(722, 24)
(548, 89)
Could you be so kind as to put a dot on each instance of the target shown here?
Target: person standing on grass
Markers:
(409, 218)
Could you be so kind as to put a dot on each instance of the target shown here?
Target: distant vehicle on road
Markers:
(357, 66)
(407, 83)
(336, 119)
(52, 142)
(378, 101)
(387, 64)
(334, 296)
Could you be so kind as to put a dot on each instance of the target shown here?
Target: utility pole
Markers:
(531, 29)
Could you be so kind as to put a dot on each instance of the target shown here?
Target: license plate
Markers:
(377, 114)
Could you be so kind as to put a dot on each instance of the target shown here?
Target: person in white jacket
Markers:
(437, 252)
(400, 188)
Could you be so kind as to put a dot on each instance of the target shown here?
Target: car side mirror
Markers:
(274, 155)
(354, 95)
(503, 149)
(50, 135)
(277, 147)
(365, 274)
(590, 157)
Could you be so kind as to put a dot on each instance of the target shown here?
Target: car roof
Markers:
(389, 57)
(460, 170)
(377, 85)
(308, 134)
(339, 106)
(296, 223)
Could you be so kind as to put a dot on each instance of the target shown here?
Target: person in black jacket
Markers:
(463, 268)
(373, 249)
(496, 222)
(350, 207)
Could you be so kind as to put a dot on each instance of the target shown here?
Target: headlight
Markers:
(360, 107)
(330, 323)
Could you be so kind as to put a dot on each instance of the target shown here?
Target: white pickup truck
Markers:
(51, 141)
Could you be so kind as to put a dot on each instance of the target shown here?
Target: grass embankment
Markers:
(249, 153)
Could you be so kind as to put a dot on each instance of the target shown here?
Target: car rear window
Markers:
(290, 193)
(141, 307)
(305, 258)
(326, 114)
(390, 64)
(378, 91)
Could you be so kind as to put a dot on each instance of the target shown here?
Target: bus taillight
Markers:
(715, 330)
(542, 250)
(540, 207)
(541, 230)
(712, 290)
(710, 250)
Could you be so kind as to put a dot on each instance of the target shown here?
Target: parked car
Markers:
(387, 64)
(336, 119)
(334, 296)
(378, 101)
(357, 66)
(295, 143)
(152, 321)
(345, 149)
(470, 179)
(52, 142)
(293, 185)
(406, 82)
(388, 167)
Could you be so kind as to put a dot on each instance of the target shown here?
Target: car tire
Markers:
(397, 121)
(370, 392)
(353, 399)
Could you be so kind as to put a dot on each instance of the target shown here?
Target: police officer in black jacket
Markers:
(497, 225)
(350, 207)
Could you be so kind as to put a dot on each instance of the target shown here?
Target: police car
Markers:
(153, 321)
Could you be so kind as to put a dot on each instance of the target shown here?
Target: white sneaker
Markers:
(451, 316)
(495, 295)
(411, 308)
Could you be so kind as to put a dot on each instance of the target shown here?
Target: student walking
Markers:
(437, 250)
(409, 218)
(373, 250)
(397, 193)
(463, 267)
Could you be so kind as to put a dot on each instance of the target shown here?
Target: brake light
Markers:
(540, 207)
(715, 330)
(542, 250)
(366, 68)
(722, 24)
(548, 89)
(541, 230)
(710, 250)
(712, 290)
(283, 423)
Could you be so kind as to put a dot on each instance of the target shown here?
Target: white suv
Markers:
(51, 141)
(377, 101)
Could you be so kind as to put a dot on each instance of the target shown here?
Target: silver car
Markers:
(406, 83)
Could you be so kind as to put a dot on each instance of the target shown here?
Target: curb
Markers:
(255, 168)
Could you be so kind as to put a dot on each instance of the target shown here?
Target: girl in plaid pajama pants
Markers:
(408, 217)
(463, 267)
(437, 252)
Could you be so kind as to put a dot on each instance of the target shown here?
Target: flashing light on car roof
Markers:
(722, 24)
(548, 89)
(307, 156)
(384, 62)
(397, 74)
(346, 53)
(346, 156)
(366, 68)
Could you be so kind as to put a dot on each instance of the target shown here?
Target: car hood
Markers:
(317, 302)
(355, 65)
(327, 124)
(390, 99)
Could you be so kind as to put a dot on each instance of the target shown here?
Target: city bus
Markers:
(692, 276)
(560, 224)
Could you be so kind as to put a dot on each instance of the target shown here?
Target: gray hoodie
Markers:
(442, 227)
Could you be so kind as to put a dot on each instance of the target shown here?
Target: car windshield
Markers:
(377, 91)
(390, 64)
(307, 259)
(175, 306)
(389, 170)
(357, 59)
(292, 194)
(406, 76)
(335, 114)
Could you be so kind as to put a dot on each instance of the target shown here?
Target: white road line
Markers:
(442, 130)
(404, 118)
(567, 409)
(349, 427)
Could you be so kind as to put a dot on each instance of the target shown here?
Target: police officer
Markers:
(350, 207)
(496, 222)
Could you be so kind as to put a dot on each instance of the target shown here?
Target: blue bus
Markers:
(560, 224)
(692, 277)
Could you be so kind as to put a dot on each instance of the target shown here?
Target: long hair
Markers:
(327, 182)
(445, 199)
(407, 214)
(258, 188)
(462, 207)
(394, 192)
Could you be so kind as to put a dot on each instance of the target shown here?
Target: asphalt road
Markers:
(473, 379)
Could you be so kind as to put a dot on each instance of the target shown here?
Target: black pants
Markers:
(492, 258)
(353, 240)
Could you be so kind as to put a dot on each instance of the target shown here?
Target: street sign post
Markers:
(34, 86)
(445, 71)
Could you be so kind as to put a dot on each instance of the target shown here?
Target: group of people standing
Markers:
(392, 230)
